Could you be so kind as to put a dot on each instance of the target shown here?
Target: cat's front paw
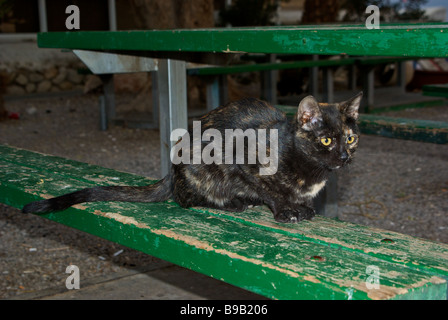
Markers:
(295, 215)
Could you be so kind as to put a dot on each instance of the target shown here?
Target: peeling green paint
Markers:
(389, 40)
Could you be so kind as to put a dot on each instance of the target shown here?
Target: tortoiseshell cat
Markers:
(320, 138)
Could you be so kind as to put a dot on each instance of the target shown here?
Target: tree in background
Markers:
(172, 14)
(411, 9)
(320, 11)
(7, 21)
(245, 13)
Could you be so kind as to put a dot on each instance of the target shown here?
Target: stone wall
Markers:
(27, 69)
(53, 79)
(30, 69)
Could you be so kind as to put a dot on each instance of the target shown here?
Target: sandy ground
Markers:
(393, 184)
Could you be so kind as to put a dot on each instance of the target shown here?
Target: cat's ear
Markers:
(350, 107)
(308, 113)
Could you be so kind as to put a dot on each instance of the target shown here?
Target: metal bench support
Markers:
(155, 99)
(172, 85)
(401, 75)
(213, 93)
(109, 96)
(369, 87)
(326, 203)
(314, 78)
(328, 85)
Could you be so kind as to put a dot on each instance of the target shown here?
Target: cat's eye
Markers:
(350, 139)
(325, 141)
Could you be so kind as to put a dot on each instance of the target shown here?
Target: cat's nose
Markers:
(344, 156)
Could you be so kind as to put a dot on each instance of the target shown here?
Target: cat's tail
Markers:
(160, 191)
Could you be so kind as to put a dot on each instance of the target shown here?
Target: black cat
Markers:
(320, 138)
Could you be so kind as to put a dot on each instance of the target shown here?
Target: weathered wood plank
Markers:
(389, 40)
(408, 129)
(266, 259)
(416, 103)
(421, 254)
(190, 241)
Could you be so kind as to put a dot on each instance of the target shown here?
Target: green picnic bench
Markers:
(218, 74)
(320, 259)
(217, 86)
(216, 95)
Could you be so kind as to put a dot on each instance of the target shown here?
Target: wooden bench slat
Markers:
(265, 260)
(382, 244)
(389, 40)
(80, 171)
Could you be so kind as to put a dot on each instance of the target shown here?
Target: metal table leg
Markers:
(172, 85)
(326, 203)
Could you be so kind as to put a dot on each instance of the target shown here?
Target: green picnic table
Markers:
(320, 259)
(174, 47)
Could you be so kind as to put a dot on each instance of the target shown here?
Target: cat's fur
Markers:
(304, 163)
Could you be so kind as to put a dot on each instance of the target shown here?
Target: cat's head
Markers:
(327, 132)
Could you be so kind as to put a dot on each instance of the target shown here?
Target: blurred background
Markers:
(25, 69)
(50, 102)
